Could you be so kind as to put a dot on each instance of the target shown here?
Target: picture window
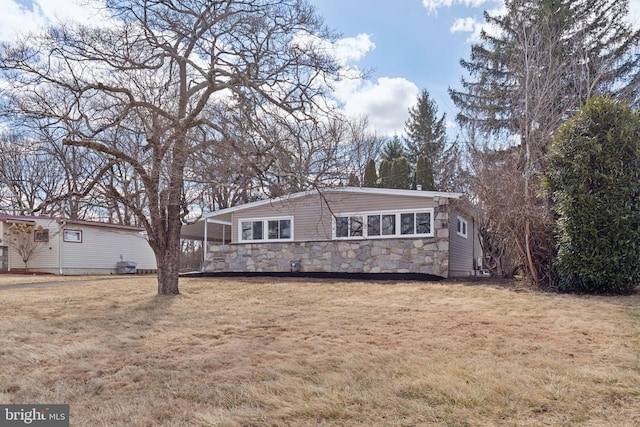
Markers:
(381, 225)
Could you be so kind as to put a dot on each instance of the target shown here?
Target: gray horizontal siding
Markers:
(462, 250)
(312, 214)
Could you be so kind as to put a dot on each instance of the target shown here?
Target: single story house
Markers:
(64, 246)
(344, 230)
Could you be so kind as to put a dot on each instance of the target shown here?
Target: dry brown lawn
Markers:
(274, 352)
(26, 278)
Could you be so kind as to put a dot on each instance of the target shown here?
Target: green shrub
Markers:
(594, 178)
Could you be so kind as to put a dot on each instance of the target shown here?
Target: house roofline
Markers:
(356, 190)
(60, 220)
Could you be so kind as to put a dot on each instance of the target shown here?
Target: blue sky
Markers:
(419, 41)
(410, 42)
(407, 45)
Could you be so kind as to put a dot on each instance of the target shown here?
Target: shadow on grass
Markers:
(148, 311)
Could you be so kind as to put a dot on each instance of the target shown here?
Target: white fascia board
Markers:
(356, 190)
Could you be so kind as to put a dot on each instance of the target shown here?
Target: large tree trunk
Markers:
(168, 269)
(168, 254)
(168, 259)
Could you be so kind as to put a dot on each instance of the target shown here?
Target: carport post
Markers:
(204, 244)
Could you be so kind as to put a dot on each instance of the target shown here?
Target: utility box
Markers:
(126, 267)
(296, 266)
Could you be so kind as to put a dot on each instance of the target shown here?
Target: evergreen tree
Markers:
(423, 175)
(370, 175)
(546, 59)
(354, 181)
(426, 133)
(385, 173)
(393, 149)
(594, 177)
(400, 174)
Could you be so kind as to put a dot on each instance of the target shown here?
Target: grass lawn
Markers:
(278, 352)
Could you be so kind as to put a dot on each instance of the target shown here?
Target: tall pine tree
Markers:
(423, 177)
(545, 60)
(426, 133)
(400, 174)
(370, 178)
(385, 173)
(393, 149)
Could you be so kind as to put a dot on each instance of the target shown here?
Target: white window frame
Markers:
(398, 225)
(462, 227)
(66, 233)
(265, 229)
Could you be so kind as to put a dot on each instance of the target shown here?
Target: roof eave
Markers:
(360, 190)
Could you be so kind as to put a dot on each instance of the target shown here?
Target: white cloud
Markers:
(17, 19)
(463, 25)
(634, 13)
(471, 25)
(432, 6)
(346, 50)
(385, 102)
(73, 10)
(352, 49)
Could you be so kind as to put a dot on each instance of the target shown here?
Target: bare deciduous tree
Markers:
(546, 59)
(26, 239)
(167, 73)
(361, 146)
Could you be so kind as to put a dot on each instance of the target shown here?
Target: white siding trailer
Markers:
(74, 247)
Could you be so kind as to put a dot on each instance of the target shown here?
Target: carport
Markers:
(208, 230)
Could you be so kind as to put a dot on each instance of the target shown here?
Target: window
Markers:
(349, 226)
(407, 223)
(373, 225)
(423, 223)
(265, 229)
(388, 225)
(73, 236)
(355, 226)
(279, 229)
(462, 227)
(342, 226)
(380, 225)
(41, 235)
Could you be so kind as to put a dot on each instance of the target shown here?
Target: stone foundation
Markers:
(399, 255)
(426, 256)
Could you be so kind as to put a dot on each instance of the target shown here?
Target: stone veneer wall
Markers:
(413, 255)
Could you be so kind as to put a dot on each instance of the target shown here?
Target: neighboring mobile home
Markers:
(64, 246)
(344, 230)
